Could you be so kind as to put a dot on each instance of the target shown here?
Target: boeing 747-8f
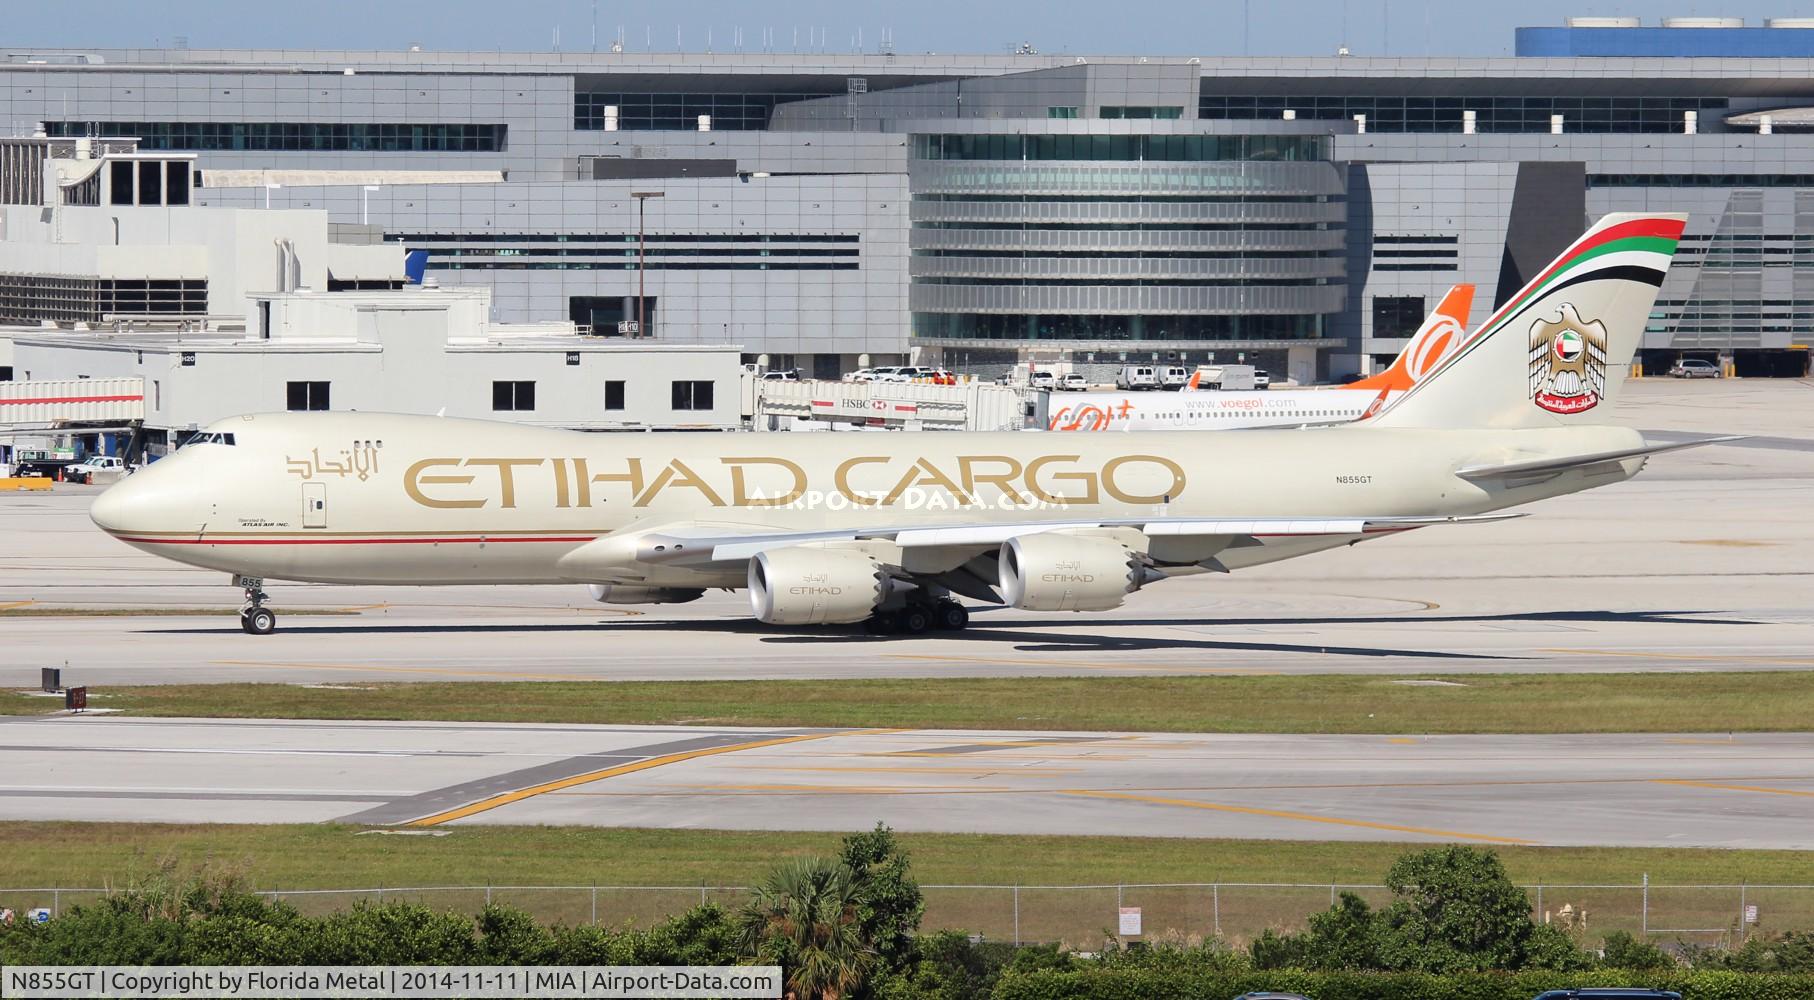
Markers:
(892, 528)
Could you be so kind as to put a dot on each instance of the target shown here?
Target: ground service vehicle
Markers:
(82, 471)
(1134, 377)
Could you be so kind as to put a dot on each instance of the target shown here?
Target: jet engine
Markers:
(804, 585)
(1050, 571)
(617, 593)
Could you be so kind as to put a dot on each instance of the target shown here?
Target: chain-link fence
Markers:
(1085, 914)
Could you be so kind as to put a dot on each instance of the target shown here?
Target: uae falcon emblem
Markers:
(1568, 362)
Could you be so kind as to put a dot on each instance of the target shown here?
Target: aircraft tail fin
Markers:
(1441, 333)
(1559, 348)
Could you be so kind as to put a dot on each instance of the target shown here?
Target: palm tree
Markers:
(804, 918)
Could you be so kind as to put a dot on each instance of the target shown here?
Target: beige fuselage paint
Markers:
(425, 500)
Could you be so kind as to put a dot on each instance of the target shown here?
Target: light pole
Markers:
(642, 252)
(269, 187)
(365, 204)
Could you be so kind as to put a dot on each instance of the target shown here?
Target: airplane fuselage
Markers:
(1213, 411)
(387, 499)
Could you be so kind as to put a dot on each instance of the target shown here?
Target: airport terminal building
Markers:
(829, 210)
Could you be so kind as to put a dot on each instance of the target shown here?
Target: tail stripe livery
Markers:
(1593, 300)
(1641, 251)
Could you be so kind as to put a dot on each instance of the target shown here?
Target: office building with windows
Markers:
(829, 210)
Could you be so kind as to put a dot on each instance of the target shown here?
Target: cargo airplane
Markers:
(892, 528)
(1443, 332)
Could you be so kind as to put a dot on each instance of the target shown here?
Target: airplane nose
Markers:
(119, 509)
(154, 500)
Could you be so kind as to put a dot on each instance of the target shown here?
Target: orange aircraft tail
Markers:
(1441, 333)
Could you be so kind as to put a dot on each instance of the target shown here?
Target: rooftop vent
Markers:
(1703, 22)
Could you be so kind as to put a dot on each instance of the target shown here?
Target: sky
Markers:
(1098, 27)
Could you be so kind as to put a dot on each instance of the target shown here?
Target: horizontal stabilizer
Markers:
(1543, 467)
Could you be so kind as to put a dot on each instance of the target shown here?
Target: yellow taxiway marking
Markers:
(444, 671)
(1704, 743)
(1733, 543)
(1084, 664)
(990, 755)
(1737, 788)
(16, 604)
(1791, 661)
(912, 770)
(506, 798)
(841, 789)
(1301, 817)
(1404, 741)
(1140, 793)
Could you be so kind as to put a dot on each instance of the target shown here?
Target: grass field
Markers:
(1479, 703)
(297, 857)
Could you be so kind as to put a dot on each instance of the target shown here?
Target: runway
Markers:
(1752, 791)
(1704, 562)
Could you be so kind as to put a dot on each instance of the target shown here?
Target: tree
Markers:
(804, 919)
(889, 902)
(1343, 937)
(1455, 911)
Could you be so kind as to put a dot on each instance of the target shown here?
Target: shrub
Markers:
(1104, 983)
(1622, 950)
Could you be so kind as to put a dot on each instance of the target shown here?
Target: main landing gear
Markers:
(254, 617)
(918, 617)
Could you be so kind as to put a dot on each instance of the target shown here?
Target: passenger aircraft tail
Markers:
(1442, 333)
(1560, 348)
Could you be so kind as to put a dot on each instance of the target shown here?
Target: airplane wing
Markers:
(960, 557)
(688, 543)
(1538, 470)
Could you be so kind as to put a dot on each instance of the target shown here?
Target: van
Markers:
(1137, 377)
(1173, 377)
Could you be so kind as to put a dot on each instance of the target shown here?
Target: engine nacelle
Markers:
(617, 593)
(1061, 572)
(804, 585)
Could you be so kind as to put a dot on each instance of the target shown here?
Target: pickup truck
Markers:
(84, 471)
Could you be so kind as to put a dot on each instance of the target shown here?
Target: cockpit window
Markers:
(211, 437)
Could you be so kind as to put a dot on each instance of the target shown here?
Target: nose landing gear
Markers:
(254, 617)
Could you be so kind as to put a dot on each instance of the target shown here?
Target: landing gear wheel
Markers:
(258, 621)
(913, 621)
(880, 623)
(254, 617)
(950, 616)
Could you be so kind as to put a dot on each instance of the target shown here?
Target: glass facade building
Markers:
(1142, 244)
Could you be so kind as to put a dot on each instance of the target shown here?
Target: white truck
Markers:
(1232, 378)
(85, 470)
